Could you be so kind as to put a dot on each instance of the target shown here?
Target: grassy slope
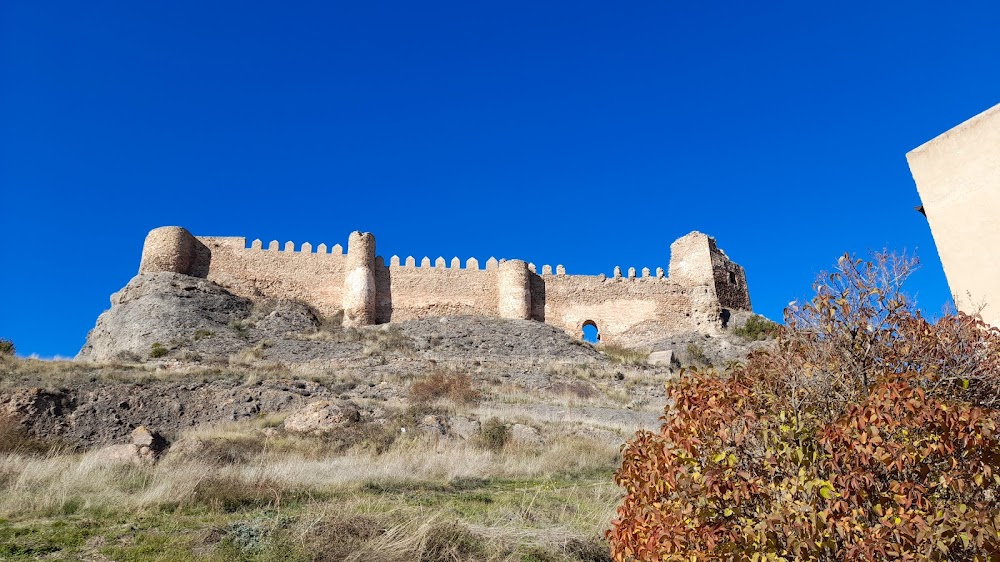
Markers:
(250, 491)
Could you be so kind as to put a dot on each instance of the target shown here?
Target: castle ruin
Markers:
(701, 288)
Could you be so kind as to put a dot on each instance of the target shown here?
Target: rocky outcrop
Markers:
(99, 413)
(163, 308)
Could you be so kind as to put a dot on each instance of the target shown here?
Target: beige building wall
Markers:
(958, 178)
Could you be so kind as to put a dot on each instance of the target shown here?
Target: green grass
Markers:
(257, 504)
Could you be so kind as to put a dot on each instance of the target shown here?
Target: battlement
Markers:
(630, 306)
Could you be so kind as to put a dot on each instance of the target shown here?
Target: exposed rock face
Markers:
(103, 413)
(226, 358)
(161, 308)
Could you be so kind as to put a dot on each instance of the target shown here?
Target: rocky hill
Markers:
(180, 351)
(180, 377)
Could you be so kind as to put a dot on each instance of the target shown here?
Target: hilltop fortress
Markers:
(699, 293)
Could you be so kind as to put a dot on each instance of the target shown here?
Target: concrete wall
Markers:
(958, 178)
(628, 309)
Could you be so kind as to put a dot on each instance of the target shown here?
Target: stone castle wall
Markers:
(628, 309)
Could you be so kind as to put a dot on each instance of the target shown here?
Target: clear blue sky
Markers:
(590, 134)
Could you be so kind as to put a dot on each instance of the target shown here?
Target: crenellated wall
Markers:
(636, 307)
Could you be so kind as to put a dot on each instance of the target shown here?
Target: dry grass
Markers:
(388, 338)
(250, 356)
(241, 452)
(278, 497)
(20, 373)
(624, 355)
(443, 385)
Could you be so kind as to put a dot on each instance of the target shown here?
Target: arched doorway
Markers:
(590, 332)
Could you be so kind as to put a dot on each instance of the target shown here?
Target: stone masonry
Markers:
(702, 288)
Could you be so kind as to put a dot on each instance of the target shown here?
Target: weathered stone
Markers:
(150, 440)
(123, 454)
(525, 435)
(321, 417)
(434, 425)
(464, 428)
(661, 358)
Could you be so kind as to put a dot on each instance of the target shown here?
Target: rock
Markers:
(321, 417)
(163, 308)
(601, 435)
(288, 317)
(525, 435)
(464, 428)
(434, 425)
(661, 358)
(123, 454)
(150, 440)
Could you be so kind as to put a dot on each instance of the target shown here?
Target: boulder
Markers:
(288, 317)
(525, 435)
(129, 453)
(665, 358)
(321, 417)
(464, 428)
(142, 437)
(435, 425)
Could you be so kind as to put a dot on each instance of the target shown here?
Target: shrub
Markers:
(202, 333)
(696, 355)
(866, 433)
(7, 347)
(494, 435)
(14, 438)
(756, 328)
(157, 350)
(456, 387)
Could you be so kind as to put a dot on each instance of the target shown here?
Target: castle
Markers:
(699, 293)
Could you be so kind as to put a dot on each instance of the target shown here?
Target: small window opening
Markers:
(732, 277)
(724, 316)
(591, 333)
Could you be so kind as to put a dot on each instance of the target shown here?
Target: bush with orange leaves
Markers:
(866, 433)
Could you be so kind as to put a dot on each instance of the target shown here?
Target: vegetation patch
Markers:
(443, 385)
(494, 435)
(158, 350)
(866, 433)
(623, 355)
(756, 328)
(696, 356)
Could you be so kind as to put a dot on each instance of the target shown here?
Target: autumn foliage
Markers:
(865, 433)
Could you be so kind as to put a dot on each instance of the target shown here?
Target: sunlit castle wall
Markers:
(630, 308)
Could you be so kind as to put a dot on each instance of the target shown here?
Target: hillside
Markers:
(196, 424)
